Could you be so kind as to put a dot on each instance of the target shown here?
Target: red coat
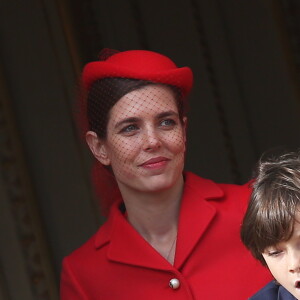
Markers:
(210, 261)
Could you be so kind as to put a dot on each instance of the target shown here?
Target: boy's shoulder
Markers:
(273, 291)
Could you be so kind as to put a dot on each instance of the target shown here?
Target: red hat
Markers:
(139, 64)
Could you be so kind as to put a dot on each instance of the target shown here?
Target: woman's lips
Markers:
(155, 163)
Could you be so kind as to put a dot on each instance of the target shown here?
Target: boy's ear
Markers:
(97, 147)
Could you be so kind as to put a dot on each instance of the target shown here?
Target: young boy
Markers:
(271, 226)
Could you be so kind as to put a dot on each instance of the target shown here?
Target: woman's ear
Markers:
(184, 127)
(97, 147)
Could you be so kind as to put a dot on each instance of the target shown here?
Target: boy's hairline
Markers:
(265, 232)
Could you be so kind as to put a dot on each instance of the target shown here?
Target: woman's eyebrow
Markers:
(167, 114)
(127, 120)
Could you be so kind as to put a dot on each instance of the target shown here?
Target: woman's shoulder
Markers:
(96, 241)
(233, 197)
(209, 186)
(99, 240)
(83, 251)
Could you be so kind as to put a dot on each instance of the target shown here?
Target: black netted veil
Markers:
(138, 119)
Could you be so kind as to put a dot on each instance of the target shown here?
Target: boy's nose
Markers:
(294, 262)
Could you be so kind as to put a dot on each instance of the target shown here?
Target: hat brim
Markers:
(179, 77)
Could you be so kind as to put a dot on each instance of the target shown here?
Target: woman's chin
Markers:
(151, 184)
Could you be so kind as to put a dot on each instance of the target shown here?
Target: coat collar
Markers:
(127, 246)
(195, 214)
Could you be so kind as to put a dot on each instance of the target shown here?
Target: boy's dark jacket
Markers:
(273, 291)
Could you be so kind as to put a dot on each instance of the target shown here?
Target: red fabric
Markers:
(139, 64)
(105, 187)
(210, 262)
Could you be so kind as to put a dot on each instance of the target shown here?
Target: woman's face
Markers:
(145, 141)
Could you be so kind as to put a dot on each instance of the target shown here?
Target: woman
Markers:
(170, 234)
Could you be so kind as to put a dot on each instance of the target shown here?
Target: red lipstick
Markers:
(155, 163)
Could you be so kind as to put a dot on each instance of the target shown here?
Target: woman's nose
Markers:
(151, 140)
(294, 262)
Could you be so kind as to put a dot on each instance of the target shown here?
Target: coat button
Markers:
(174, 283)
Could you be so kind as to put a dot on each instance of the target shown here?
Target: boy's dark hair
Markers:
(273, 205)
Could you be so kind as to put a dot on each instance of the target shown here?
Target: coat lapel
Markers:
(127, 246)
(195, 216)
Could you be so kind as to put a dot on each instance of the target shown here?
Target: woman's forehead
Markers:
(152, 99)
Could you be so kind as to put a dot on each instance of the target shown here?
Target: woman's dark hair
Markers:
(273, 205)
(106, 92)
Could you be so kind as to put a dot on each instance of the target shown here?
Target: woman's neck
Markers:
(155, 214)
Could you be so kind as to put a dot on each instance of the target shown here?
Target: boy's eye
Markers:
(273, 252)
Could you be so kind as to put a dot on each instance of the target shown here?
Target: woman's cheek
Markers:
(126, 150)
(176, 142)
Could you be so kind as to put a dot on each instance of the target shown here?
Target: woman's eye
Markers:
(167, 122)
(129, 129)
